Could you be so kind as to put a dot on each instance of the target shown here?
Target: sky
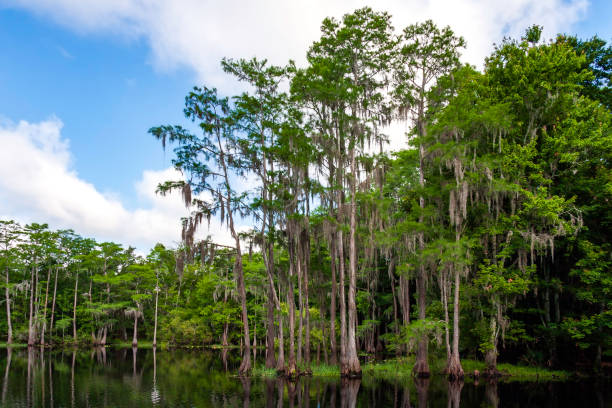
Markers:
(81, 82)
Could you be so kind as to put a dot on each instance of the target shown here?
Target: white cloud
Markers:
(64, 53)
(197, 33)
(38, 184)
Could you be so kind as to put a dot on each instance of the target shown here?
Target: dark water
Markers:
(143, 378)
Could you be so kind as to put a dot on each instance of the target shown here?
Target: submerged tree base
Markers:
(286, 373)
(352, 374)
(492, 372)
(453, 369)
(421, 369)
(351, 370)
(245, 365)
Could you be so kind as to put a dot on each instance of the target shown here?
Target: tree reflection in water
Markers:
(454, 393)
(155, 392)
(491, 393)
(422, 387)
(9, 356)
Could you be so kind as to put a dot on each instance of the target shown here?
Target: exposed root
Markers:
(421, 369)
(491, 372)
(453, 370)
(351, 370)
(245, 366)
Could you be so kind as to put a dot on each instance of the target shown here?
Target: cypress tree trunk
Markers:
(270, 358)
(226, 325)
(353, 368)
(306, 252)
(491, 354)
(155, 327)
(53, 304)
(300, 278)
(322, 344)
(7, 295)
(44, 325)
(597, 363)
(245, 366)
(405, 299)
(270, 335)
(225, 332)
(135, 334)
(280, 362)
(453, 367)
(255, 342)
(292, 366)
(332, 308)
(30, 322)
(36, 307)
(341, 264)
(444, 286)
(105, 330)
(342, 304)
(391, 274)
(421, 365)
(74, 329)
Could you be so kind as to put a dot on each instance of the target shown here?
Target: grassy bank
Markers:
(401, 368)
(318, 370)
(13, 345)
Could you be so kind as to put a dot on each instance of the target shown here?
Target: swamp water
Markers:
(144, 378)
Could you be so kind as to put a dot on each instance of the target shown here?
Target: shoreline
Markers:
(398, 368)
(401, 369)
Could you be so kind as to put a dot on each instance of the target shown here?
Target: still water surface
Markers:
(144, 378)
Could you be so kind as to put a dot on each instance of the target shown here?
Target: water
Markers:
(144, 378)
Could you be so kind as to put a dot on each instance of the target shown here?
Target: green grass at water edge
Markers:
(401, 369)
(324, 370)
(261, 371)
(13, 345)
(318, 370)
(141, 344)
(527, 373)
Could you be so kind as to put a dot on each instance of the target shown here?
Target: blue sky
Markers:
(81, 82)
(103, 88)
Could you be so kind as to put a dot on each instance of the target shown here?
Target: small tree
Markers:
(10, 236)
(210, 162)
